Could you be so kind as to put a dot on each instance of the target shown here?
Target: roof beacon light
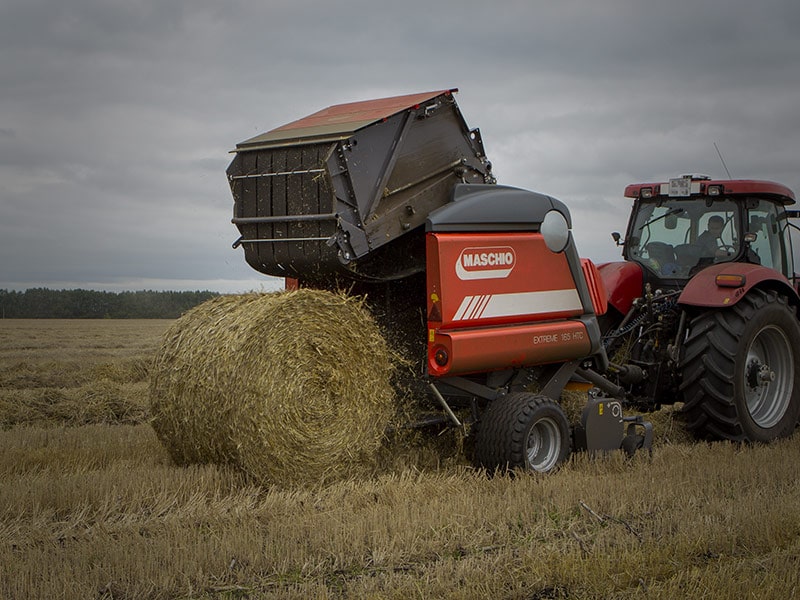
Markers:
(715, 190)
(646, 192)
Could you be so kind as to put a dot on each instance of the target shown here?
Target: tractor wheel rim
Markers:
(543, 445)
(769, 376)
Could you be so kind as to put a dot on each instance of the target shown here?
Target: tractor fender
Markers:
(623, 283)
(703, 289)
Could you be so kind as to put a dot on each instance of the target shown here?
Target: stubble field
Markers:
(92, 507)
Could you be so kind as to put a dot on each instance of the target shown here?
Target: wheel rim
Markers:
(768, 376)
(543, 446)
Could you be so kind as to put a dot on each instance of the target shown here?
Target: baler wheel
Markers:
(522, 431)
(741, 370)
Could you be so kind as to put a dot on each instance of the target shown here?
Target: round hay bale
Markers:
(292, 387)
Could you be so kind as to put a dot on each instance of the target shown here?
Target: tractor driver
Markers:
(709, 241)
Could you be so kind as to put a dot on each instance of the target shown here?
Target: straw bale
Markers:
(291, 387)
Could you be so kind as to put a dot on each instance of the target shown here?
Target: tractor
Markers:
(705, 306)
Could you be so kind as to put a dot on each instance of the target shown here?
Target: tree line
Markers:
(42, 303)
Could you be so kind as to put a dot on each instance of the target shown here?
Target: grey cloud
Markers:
(116, 119)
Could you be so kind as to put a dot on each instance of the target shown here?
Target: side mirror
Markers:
(617, 238)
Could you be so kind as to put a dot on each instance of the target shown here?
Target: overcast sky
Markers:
(116, 117)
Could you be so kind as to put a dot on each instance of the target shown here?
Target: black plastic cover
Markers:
(480, 207)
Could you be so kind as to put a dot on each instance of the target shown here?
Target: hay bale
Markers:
(291, 387)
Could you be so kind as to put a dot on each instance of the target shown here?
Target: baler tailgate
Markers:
(318, 196)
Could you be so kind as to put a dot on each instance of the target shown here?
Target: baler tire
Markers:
(522, 431)
(740, 370)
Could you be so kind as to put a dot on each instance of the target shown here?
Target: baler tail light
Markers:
(440, 356)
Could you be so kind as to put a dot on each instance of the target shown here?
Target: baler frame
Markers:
(370, 197)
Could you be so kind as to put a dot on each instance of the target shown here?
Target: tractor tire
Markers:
(522, 431)
(740, 370)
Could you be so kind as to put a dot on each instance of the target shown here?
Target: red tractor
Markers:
(706, 305)
(482, 287)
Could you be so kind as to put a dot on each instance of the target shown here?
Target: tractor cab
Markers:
(682, 226)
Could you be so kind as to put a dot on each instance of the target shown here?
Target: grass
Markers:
(94, 508)
(75, 372)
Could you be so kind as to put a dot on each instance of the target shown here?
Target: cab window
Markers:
(675, 238)
(769, 248)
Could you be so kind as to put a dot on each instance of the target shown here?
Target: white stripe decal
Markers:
(476, 307)
(483, 306)
(473, 307)
(473, 300)
(521, 303)
(461, 309)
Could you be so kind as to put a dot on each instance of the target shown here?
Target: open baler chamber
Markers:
(336, 192)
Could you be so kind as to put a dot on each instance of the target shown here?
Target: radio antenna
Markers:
(722, 160)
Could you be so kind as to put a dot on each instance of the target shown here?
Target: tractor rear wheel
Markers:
(741, 370)
(522, 430)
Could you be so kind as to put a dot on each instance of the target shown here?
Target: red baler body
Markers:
(500, 300)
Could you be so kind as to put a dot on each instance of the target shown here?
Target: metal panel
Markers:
(339, 121)
(307, 209)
